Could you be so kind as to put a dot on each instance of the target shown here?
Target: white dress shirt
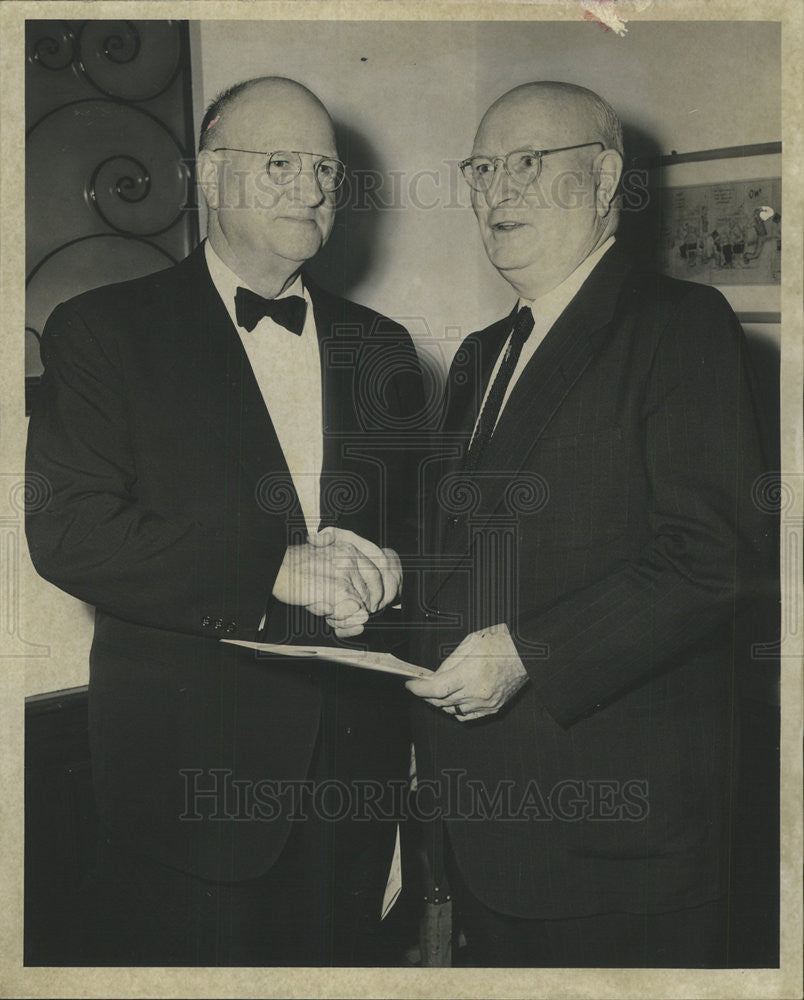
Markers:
(288, 372)
(546, 310)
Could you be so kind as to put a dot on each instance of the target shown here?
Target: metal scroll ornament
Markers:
(132, 62)
(123, 177)
(55, 50)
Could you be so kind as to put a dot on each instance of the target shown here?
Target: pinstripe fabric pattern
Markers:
(621, 473)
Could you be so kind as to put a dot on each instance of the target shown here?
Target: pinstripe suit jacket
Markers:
(610, 525)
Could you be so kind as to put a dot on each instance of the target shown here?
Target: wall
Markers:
(407, 98)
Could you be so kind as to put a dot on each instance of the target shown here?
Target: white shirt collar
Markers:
(554, 302)
(227, 283)
(546, 310)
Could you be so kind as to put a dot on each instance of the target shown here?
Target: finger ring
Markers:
(458, 709)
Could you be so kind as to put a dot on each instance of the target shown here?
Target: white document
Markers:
(384, 662)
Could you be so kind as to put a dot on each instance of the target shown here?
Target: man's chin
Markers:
(508, 260)
(300, 251)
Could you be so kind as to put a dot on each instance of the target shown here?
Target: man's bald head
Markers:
(539, 223)
(264, 225)
(260, 92)
(572, 109)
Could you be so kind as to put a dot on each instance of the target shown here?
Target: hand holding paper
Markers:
(477, 678)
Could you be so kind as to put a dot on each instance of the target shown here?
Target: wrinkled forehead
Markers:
(534, 121)
(281, 119)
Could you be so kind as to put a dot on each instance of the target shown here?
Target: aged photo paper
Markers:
(407, 82)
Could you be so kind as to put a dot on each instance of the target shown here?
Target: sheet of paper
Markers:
(366, 659)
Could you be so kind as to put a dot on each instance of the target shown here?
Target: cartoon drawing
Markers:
(727, 233)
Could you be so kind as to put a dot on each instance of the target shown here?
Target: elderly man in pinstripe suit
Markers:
(598, 553)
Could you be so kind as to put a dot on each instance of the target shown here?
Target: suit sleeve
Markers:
(93, 538)
(706, 542)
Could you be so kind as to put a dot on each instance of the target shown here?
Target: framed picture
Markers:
(718, 220)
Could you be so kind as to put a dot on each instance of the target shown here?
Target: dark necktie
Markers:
(288, 312)
(523, 324)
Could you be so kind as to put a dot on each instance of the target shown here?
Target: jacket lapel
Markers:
(337, 372)
(567, 350)
(234, 410)
(560, 360)
(214, 361)
(344, 346)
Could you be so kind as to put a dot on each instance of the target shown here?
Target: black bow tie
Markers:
(288, 312)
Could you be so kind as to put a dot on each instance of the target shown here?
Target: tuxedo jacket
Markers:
(170, 507)
(613, 525)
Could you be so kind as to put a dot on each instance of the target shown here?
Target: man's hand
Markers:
(385, 560)
(347, 619)
(331, 575)
(477, 679)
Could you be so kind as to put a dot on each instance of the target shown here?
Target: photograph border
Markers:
(17, 980)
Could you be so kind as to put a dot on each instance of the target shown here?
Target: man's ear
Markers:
(608, 168)
(207, 173)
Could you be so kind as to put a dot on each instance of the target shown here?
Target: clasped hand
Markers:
(477, 678)
(339, 576)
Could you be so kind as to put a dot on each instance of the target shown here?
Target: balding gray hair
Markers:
(212, 116)
(609, 126)
(608, 121)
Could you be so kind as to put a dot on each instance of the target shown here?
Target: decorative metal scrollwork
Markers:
(108, 173)
(54, 51)
(122, 46)
(130, 167)
(132, 186)
(124, 176)
(127, 60)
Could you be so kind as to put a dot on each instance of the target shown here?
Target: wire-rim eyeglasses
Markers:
(284, 166)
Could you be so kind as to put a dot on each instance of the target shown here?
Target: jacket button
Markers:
(231, 627)
(206, 621)
(218, 624)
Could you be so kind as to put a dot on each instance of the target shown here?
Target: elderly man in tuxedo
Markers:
(597, 551)
(217, 449)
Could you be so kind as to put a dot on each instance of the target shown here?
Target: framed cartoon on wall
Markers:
(718, 221)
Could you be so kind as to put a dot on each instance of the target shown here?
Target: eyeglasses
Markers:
(284, 165)
(522, 165)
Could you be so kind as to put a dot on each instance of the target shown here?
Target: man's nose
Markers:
(501, 188)
(306, 188)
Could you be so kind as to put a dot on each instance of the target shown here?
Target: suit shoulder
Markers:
(680, 319)
(353, 316)
(667, 295)
(122, 295)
